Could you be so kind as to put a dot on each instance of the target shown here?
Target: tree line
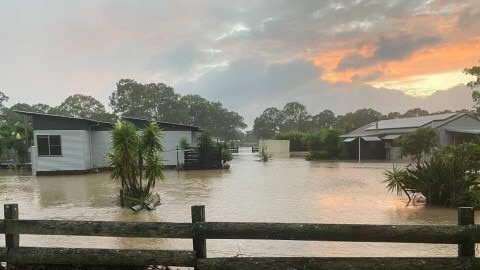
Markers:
(274, 122)
(295, 117)
(153, 101)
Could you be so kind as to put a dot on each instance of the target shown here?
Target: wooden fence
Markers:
(195, 159)
(465, 235)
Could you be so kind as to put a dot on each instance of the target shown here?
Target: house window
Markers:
(49, 145)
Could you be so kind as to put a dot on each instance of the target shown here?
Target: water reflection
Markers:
(282, 190)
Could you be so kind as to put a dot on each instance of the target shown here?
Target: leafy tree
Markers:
(83, 106)
(469, 152)
(420, 142)
(325, 119)
(442, 112)
(40, 108)
(393, 115)
(474, 71)
(12, 140)
(212, 116)
(153, 101)
(295, 117)
(160, 102)
(325, 144)
(268, 123)
(314, 141)
(415, 113)
(358, 119)
(198, 110)
(11, 118)
(136, 160)
(465, 111)
(3, 98)
(334, 146)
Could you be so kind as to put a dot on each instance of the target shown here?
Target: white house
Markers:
(65, 144)
(376, 140)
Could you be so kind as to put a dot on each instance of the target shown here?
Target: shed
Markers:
(64, 144)
(376, 140)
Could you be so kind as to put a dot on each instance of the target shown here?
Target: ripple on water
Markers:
(285, 189)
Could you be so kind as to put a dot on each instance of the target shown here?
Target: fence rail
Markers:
(465, 235)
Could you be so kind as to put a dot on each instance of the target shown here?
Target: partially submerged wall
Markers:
(275, 146)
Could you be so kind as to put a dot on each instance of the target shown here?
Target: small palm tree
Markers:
(396, 181)
(136, 159)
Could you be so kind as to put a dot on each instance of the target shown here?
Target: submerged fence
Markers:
(465, 235)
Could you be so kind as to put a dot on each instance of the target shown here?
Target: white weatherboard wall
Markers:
(462, 122)
(275, 146)
(170, 142)
(101, 143)
(75, 151)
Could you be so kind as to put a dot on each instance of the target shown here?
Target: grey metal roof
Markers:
(371, 139)
(161, 122)
(465, 130)
(391, 137)
(402, 125)
(360, 132)
(61, 116)
(410, 122)
(109, 123)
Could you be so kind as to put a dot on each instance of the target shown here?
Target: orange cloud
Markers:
(438, 59)
(432, 60)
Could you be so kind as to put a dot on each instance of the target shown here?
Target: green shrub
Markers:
(326, 144)
(297, 140)
(317, 155)
(225, 152)
(421, 142)
(264, 155)
(184, 144)
(449, 178)
(314, 141)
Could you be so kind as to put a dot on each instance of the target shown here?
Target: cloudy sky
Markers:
(249, 55)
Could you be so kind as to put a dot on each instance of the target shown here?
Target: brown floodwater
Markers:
(281, 190)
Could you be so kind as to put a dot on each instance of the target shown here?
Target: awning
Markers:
(349, 139)
(371, 139)
(391, 137)
(465, 130)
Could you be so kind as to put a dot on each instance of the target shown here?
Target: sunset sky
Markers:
(249, 55)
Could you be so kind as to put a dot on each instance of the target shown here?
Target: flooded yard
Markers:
(281, 190)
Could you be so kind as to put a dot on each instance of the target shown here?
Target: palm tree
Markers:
(396, 181)
(136, 159)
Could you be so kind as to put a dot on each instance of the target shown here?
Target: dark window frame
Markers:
(57, 147)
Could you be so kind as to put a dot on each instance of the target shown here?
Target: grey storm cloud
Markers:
(249, 86)
(246, 54)
(386, 49)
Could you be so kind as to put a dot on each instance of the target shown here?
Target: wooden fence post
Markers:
(122, 198)
(10, 211)
(466, 217)
(199, 244)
